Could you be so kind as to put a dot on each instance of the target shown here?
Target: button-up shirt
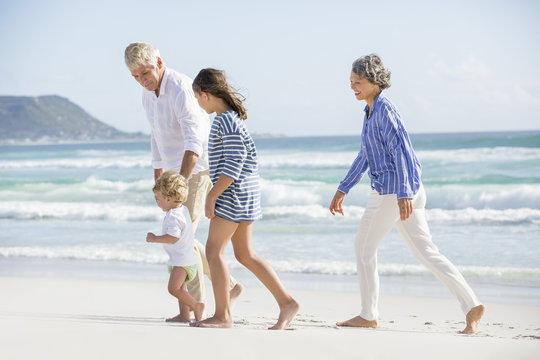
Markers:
(386, 153)
(177, 123)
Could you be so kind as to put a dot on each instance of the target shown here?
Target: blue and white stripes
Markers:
(232, 153)
(387, 152)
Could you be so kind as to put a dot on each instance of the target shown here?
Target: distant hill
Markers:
(46, 119)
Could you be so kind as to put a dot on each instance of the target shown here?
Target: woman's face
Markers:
(363, 88)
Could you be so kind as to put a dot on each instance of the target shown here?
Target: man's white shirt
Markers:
(177, 123)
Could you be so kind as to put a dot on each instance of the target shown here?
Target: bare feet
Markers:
(359, 321)
(286, 314)
(178, 318)
(235, 292)
(213, 322)
(473, 319)
(198, 311)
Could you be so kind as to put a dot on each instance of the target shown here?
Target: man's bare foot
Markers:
(359, 321)
(198, 311)
(178, 318)
(473, 319)
(235, 292)
(213, 322)
(286, 314)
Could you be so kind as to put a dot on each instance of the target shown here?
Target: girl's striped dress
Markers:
(231, 152)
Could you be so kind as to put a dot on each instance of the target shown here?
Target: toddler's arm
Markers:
(163, 239)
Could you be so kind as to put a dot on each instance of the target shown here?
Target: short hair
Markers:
(172, 184)
(371, 67)
(141, 53)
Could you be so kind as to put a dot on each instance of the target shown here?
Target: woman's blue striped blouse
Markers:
(386, 153)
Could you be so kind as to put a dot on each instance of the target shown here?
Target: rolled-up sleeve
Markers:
(192, 121)
(157, 162)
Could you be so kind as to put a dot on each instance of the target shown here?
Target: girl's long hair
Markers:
(213, 82)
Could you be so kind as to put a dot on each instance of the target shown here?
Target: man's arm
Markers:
(157, 173)
(188, 164)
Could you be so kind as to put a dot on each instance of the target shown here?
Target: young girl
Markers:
(170, 192)
(234, 201)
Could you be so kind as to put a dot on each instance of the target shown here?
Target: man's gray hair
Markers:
(371, 67)
(141, 53)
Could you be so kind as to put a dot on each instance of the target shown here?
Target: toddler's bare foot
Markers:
(473, 319)
(286, 314)
(235, 292)
(359, 321)
(213, 322)
(178, 318)
(198, 311)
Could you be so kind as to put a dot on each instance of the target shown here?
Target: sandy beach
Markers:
(66, 318)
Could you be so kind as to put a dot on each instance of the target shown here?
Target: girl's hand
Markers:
(209, 207)
(337, 202)
(150, 237)
(405, 208)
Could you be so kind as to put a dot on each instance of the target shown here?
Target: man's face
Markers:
(148, 76)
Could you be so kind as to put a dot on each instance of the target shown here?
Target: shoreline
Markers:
(407, 285)
(88, 319)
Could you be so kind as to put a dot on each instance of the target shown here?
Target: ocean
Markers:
(84, 210)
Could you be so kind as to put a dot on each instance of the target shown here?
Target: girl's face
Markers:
(165, 203)
(363, 88)
(204, 101)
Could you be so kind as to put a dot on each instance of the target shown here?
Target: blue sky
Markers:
(456, 66)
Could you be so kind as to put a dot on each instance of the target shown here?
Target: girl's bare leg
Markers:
(177, 288)
(246, 255)
(219, 234)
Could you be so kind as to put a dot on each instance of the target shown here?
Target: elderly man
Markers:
(179, 141)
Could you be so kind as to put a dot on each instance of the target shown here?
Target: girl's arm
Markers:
(221, 185)
(163, 239)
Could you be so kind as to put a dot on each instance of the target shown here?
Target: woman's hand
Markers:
(209, 207)
(405, 208)
(337, 202)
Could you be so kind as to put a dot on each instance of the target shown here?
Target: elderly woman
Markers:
(397, 198)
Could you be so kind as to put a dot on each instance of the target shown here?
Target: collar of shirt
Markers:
(376, 104)
(163, 85)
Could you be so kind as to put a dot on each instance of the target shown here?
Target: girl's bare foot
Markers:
(213, 322)
(473, 319)
(235, 292)
(198, 311)
(286, 314)
(359, 321)
(178, 318)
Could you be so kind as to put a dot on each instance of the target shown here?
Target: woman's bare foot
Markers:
(198, 311)
(213, 322)
(235, 292)
(178, 318)
(286, 314)
(473, 319)
(359, 321)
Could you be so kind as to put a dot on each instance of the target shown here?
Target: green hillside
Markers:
(52, 119)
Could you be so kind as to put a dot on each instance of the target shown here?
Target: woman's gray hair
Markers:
(141, 53)
(371, 67)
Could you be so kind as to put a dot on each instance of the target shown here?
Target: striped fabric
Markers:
(231, 152)
(387, 152)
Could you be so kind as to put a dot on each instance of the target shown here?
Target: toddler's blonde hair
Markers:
(172, 184)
